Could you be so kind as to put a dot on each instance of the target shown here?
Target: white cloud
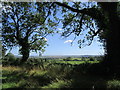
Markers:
(60, 29)
(68, 41)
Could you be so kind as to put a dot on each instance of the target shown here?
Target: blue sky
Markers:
(62, 46)
(58, 46)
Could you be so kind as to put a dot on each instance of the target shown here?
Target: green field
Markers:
(57, 73)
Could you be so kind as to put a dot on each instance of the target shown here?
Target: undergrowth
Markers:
(57, 75)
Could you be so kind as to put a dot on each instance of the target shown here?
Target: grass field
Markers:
(62, 73)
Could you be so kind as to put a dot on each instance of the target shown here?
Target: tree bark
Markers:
(112, 40)
(25, 50)
(25, 53)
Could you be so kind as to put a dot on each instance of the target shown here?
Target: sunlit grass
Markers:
(77, 62)
(9, 85)
(37, 72)
(58, 84)
(11, 68)
(113, 84)
(15, 77)
(57, 74)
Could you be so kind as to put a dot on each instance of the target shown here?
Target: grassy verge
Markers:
(56, 74)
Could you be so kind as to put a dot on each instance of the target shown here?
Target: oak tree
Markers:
(25, 26)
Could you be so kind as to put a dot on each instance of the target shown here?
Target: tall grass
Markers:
(114, 84)
(41, 73)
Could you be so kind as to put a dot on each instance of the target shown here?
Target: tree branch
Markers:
(16, 22)
(35, 40)
(93, 12)
(80, 24)
(29, 31)
(94, 34)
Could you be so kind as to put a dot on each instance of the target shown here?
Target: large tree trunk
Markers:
(25, 53)
(25, 50)
(112, 40)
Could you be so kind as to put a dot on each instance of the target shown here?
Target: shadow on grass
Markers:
(24, 80)
(85, 75)
(89, 76)
(89, 82)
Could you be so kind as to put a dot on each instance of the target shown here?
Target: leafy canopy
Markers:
(83, 19)
(25, 22)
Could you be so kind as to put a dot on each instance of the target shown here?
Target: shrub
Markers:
(83, 59)
(9, 59)
(10, 56)
(36, 62)
(67, 59)
(91, 59)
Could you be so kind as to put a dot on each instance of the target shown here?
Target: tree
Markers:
(94, 19)
(25, 26)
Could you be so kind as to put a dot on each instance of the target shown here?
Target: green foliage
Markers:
(58, 71)
(67, 59)
(26, 26)
(91, 59)
(10, 57)
(79, 23)
(114, 84)
(9, 85)
(57, 75)
(87, 20)
(32, 62)
(58, 84)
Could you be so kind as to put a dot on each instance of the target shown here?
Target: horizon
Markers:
(63, 55)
